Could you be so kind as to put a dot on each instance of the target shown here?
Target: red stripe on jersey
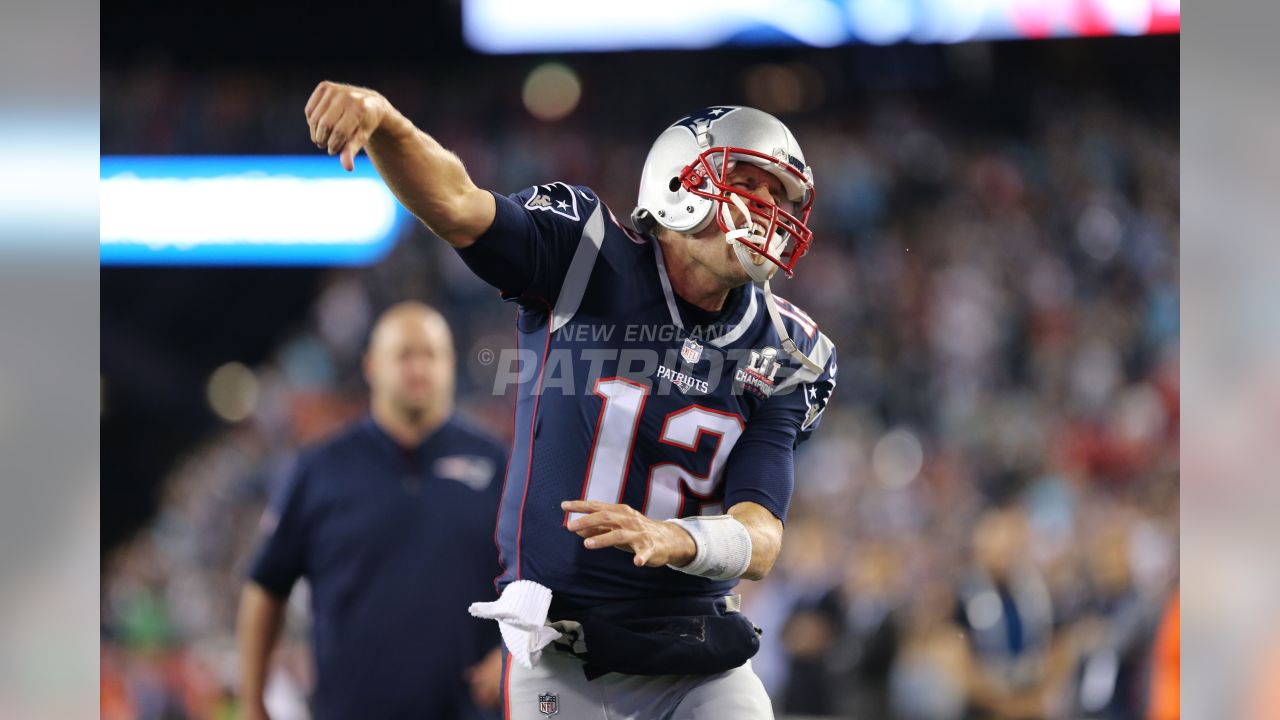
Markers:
(506, 685)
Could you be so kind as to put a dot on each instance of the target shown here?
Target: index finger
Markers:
(314, 99)
(586, 505)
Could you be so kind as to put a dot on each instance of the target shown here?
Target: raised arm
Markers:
(428, 179)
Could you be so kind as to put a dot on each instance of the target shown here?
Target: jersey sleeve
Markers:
(761, 467)
(528, 250)
(280, 558)
(805, 395)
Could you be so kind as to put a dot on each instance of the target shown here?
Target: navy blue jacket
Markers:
(395, 544)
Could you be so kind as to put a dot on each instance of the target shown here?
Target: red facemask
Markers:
(764, 213)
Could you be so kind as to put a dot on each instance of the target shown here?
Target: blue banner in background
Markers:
(516, 26)
(244, 210)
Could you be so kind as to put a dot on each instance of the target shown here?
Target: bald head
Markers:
(410, 363)
(409, 317)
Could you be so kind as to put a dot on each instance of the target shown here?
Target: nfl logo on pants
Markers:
(548, 704)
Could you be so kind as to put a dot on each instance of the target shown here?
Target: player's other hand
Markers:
(485, 679)
(654, 543)
(343, 117)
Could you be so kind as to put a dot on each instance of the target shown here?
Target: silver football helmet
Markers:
(683, 186)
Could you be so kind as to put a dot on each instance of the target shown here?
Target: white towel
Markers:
(521, 613)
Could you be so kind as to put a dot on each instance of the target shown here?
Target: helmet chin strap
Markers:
(787, 343)
(758, 269)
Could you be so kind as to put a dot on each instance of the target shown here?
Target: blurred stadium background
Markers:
(996, 257)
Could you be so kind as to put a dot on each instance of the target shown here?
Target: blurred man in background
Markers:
(391, 522)
(1008, 617)
(1018, 662)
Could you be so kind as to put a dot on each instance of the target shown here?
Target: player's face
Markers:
(710, 248)
(410, 364)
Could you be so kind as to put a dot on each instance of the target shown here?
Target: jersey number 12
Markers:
(615, 439)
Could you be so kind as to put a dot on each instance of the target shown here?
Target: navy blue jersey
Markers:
(394, 543)
(627, 394)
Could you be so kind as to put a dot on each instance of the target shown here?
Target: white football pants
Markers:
(556, 687)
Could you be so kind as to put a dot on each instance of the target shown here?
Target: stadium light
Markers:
(251, 210)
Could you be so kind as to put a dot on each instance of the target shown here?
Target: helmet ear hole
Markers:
(674, 185)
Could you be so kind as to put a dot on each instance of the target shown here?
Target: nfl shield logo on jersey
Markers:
(692, 351)
(548, 704)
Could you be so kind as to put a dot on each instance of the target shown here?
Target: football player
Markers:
(661, 391)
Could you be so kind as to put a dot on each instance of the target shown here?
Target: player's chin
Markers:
(415, 403)
(731, 268)
(738, 275)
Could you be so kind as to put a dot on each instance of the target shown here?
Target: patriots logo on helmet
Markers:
(704, 117)
(556, 197)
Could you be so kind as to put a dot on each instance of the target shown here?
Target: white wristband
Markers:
(724, 546)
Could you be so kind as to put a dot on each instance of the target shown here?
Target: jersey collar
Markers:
(738, 320)
(394, 445)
